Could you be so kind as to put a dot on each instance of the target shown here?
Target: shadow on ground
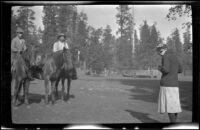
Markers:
(148, 90)
(143, 117)
(58, 96)
(37, 98)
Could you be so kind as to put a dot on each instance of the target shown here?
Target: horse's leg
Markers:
(46, 83)
(15, 85)
(68, 87)
(26, 89)
(53, 91)
(13, 82)
(56, 87)
(63, 89)
(16, 92)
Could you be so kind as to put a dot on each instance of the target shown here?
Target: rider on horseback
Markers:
(62, 44)
(18, 46)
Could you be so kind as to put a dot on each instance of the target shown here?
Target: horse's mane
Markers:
(27, 56)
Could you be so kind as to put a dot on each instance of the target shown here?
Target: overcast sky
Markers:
(103, 15)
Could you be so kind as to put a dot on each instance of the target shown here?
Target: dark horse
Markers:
(55, 67)
(67, 72)
(21, 72)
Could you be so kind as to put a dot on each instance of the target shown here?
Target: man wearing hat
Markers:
(59, 45)
(17, 46)
(18, 43)
(168, 101)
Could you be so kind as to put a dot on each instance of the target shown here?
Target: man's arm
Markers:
(14, 46)
(165, 67)
(66, 45)
(55, 47)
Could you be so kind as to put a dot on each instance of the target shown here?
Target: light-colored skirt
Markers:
(168, 100)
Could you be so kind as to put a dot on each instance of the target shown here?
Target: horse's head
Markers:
(67, 58)
(66, 54)
(28, 56)
(40, 58)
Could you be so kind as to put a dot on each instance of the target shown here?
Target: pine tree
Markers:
(145, 53)
(64, 19)
(50, 27)
(124, 19)
(108, 41)
(177, 42)
(187, 39)
(95, 52)
(82, 36)
(144, 45)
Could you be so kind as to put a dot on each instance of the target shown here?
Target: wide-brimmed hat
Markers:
(161, 46)
(19, 30)
(61, 34)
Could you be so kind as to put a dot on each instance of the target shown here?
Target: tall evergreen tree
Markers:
(149, 39)
(177, 42)
(64, 19)
(108, 41)
(50, 26)
(95, 52)
(144, 45)
(124, 19)
(187, 39)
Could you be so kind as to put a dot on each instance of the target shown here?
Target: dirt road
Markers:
(102, 100)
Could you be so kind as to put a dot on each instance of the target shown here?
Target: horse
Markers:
(55, 66)
(67, 72)
(20, 71)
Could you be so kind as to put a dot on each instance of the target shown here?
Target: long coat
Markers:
(170, 68)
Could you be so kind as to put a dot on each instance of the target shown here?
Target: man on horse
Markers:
(62, 44)
(18, 46)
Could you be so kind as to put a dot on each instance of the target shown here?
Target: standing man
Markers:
(59, 45)
(169, 101)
